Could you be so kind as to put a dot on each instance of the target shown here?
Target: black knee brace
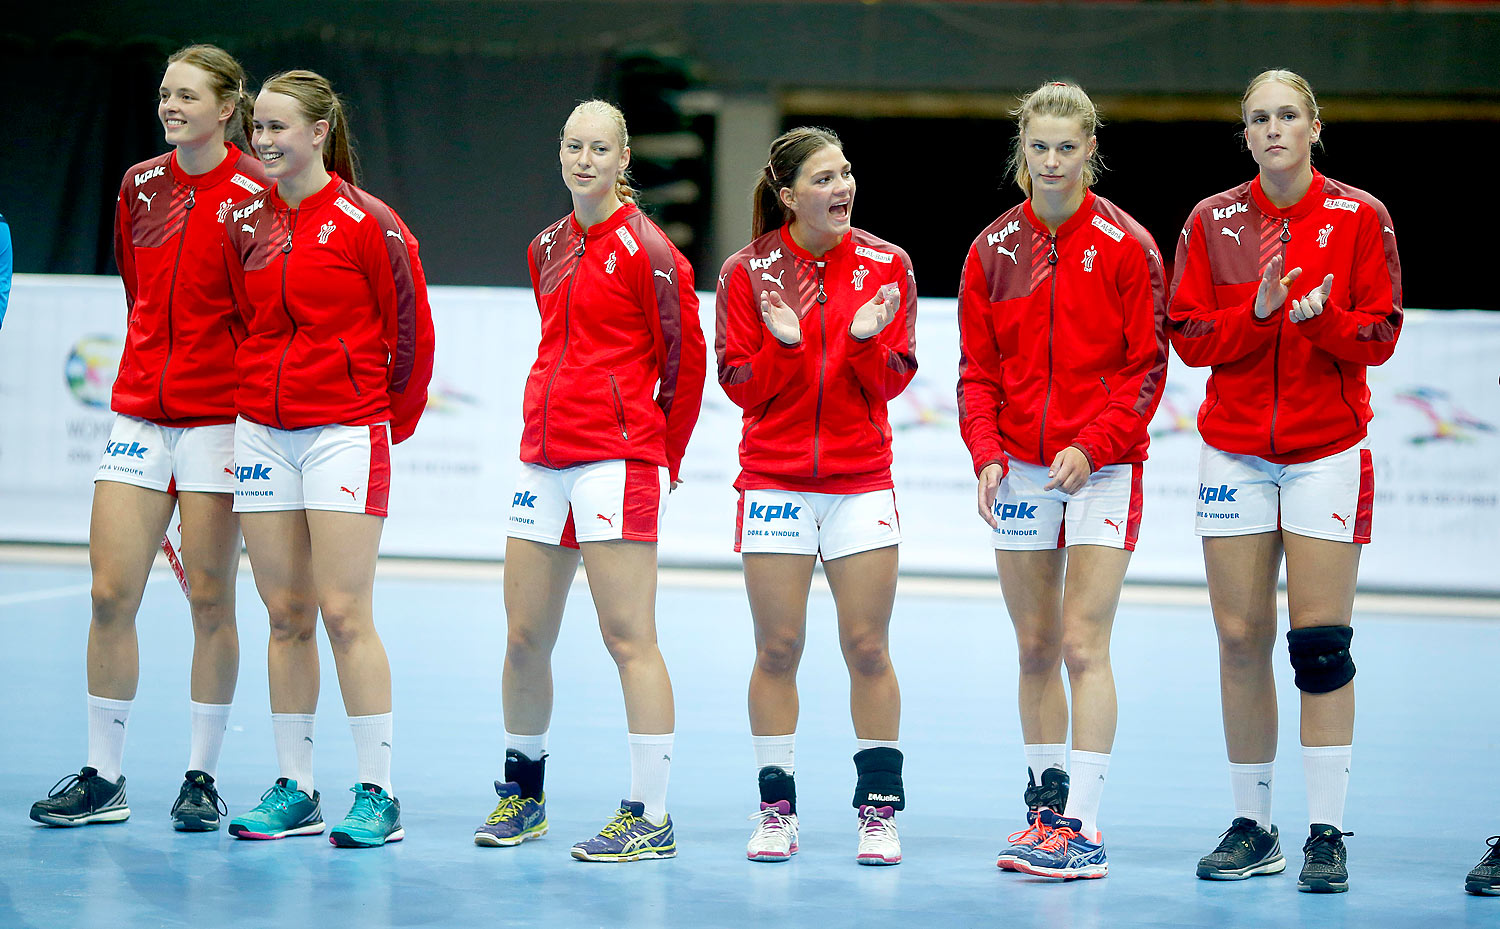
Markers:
(879, 782)
(1320, 657)
(525, 773)
(775, 785)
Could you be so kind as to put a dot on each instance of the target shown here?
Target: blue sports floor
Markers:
(1422, 800)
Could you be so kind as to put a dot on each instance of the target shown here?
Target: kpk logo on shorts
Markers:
(772, 511)
(1004, 512)
(1221, 494)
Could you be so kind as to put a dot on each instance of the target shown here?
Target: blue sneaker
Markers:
(629, 837)
(516, 818)
(282, 811)
(373, 820)
(1063, 853)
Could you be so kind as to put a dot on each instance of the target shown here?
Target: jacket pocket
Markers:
(614, 389)
(349, 368)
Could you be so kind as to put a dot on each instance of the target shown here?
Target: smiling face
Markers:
(285, 140)
(1057, 153)
(1279, 128)
(189, 111)
(591, 156)
(821, 198)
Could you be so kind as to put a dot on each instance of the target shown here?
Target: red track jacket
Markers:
(620, 366)
(1279, 390)
(815, 413)
(1062, 339)
(336, 307)
(178, 365)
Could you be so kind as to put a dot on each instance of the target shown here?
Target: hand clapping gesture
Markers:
(1312, 304)
(780, 319)
(877, 313)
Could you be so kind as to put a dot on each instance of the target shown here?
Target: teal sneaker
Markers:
(282, 811)
(373, 820)
(516, 818)
(629, 837)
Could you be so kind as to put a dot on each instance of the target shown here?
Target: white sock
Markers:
(1252, 785)
(372, 749)
(877, 743)
(1043, 755)
(532, 746)
(1327, 770)
(1087, 771)
(209, 720)
(774, 751)
(650, 769)
(294, 748)
(108, 720)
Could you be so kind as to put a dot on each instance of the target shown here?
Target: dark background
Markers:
(456, 106)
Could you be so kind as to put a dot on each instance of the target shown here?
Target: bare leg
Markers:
(864, 587)
(1321, 577)
(280, 551)
(344, 549)
(622, 579)
(1242, 572)
(125, 532)
(1091, 596)
(777, 586)
(1032, 583)
(537, 578)
(211, 558)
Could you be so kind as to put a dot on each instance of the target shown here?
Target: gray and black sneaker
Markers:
(1485, 878)
(1052, 794)
(1245, 850)
(198, 804)
(1323, 857)
(81, 799)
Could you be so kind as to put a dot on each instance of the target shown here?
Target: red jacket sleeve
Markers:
(980, 395)
(1362, 318)
(125, 249)
(400, 288)
(682, 355)
(753, 366)
(1202, 332)
(885, 364)
(1136, 390)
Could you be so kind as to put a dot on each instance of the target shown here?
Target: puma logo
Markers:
(120, 723)
(229, 471)
(608, 519)
(1265, 784)
(666, 274)
(249, 229)
(1343, 520)
(1224, 230)
(394, 234)
(1113, 525)
(766, 276)
(146, 200)
(351, 493)
(882, 522)
(666, 758)
(1008, 252)
(386, 744)
(307, 739)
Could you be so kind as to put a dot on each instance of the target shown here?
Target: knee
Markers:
(627, 648)
(345, 621)
(868, 655)
(293, 618)
(523, 646)
(1038, 653)
(778, 655)
(1083, 654)
(1244, 644)
(211, 602)
(114, 602)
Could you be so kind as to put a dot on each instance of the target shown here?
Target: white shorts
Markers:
(614, 499)
(341, 468)
(169, 458)
(1105, 511)
(790, 522)
(1331, 498)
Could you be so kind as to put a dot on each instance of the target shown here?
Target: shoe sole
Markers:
(772, 856)
(1092, 872)
(1322, 887)
(877, 860)
(1482, 888)
(240, 832)
(118, 815)
(345, 840)
(1259, 869)
(195, 824)
(487, 840)
(582, 855)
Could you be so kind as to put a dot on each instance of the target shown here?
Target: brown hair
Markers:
(609, 111)
(788, 153)
(315, 97)
(227, 81)
(1063, 100)
(1291, 79)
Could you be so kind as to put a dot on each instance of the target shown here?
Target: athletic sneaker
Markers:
(1485, 878)
(83, 798)
(283, 810)
(1051, 793)
(629, 837)
(878, 842)
(373, 820)
(1064, 853)
(1323, 857)
(516, 818)
(775, 835)
(1245, 850)
(198, 804)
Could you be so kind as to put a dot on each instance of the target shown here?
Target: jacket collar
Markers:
(615, 221)
(329, 191)
(1300, 208)
(1079, 218)
(220, 172)
(838, 251)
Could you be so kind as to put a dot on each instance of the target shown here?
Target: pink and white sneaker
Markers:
(878, 842)
(775, 835)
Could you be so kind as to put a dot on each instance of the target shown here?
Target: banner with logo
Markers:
(1435, 438)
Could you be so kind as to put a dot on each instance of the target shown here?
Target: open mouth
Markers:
(270, 158)
(173, 122)
(839, 211)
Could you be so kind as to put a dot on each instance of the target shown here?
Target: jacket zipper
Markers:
(1041, 439)
(567, 333)
(1286, 236)
(619, 406)
(822, 364)
(349, 366)
(286, 258)
(161, 385)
